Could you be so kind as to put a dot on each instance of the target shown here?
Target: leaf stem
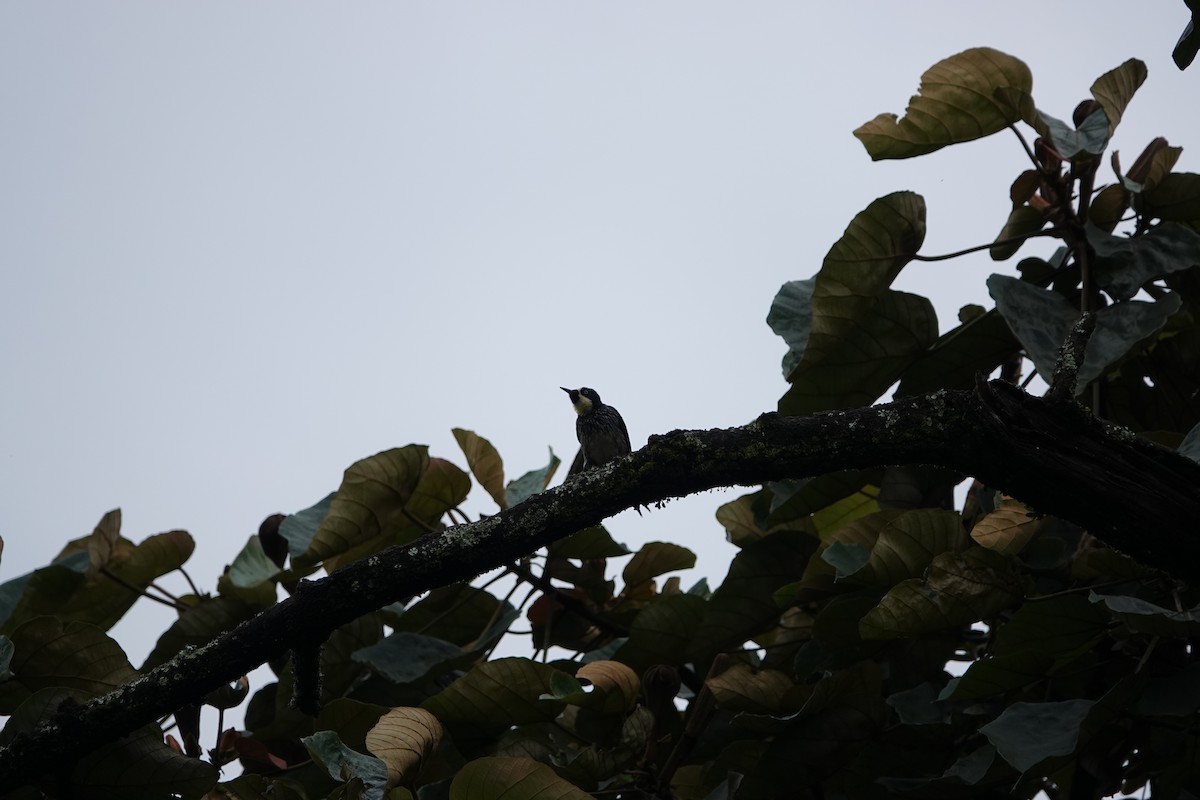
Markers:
(977, 248)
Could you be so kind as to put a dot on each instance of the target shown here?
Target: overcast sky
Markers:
(243, 245)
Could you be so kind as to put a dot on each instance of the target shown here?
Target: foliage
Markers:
(869, 639)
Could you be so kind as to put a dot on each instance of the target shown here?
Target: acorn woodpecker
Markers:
(602, 434)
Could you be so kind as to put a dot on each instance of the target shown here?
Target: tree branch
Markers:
(1135, 495)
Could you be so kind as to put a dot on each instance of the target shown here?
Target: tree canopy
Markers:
(874, 636)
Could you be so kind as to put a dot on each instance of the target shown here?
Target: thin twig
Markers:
(1007, 240)
(138, 590)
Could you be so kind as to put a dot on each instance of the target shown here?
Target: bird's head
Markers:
(584, 399)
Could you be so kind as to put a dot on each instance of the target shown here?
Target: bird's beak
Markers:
(565, 389)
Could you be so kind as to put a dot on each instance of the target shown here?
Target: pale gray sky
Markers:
(246, 244)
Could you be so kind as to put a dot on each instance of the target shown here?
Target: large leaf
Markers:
(662, 631)
(1026, 734)
(1123, 264)
(744, 603)
(1023, 221)
(484, 461)
(494, 778)
(369, 508)
(1145, 617)
(589, 543)
(403, 739)
(531, 482)
(409, 657)
(956, 103)
(1176, 198)
(791, 317)
(495, 695)
(1008, 528)
(979, 345)
(460, 613)
(855, 366)
(344, 764)
(49, 654)
(1091, 137)
(299, 528)
(141, 765)
(1114, 89)
(654, 559)
(199, 625)
(958, 589)
(1041, 318)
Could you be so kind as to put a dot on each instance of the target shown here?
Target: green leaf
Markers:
(744, 603)
(792, 500)
(955, 104)
(141, 765)
(589, 543)
(459, 613)
(1114, 89)
(49, 653)
(409, 657)
(299, 528)
(252, 566)
(1026, 734)
(494, 778)
(484, 461)
(344, 764)
(1176, 198)
(368, 511)
(654, 559)
(1041, 318)
(1190, 446)
(1090, 137)
(199, 625)
(1123, 263)
(853, 368)
(1008, 528)
(979, 345)
(791, 317)
(350, 720)
(958, 589)
(846, 558)
(662, 631)
(531, 482)
(494, 696)
(1146, 617)
(1023, 221)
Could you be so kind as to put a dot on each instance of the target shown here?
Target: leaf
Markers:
(846, 558)
(252, 566)
(791, 317)
(531, 482)
(741, 688)
(662, 631)
(1007, 529)
(1123, 263)
(409, 657)
(1090, 137)
(979, 345)
(1040, 319)
(587, 544)
(744, 603)
(103, 541)
(1114, 89)
(403, 739)
(955, 104)
(959, 588)
(494, 778)
(654, 559)
(493, 696)
(299, 528)
(344, 764)
(369, 505)
(1190, 446)
(1025, 734)
(615, 687)
(350, 719)
(853, 369)
(459, 613)
(141, 765)
(49, 653)
(484, 461)
(851, 305)
(1146, 617)
(1176, 198)
(199, 625)
(1023, 221)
